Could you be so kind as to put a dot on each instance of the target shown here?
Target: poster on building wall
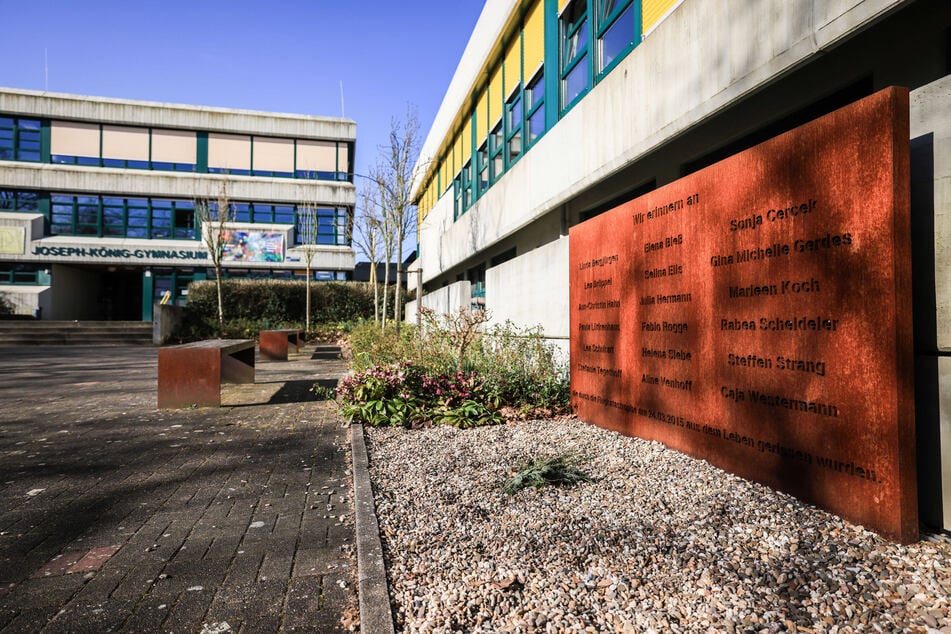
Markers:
(12, 240)
(253, 246)
(757, 314)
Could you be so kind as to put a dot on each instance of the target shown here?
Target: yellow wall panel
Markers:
(495, 97)
(513, 66)
(482, 116)
(534, 42)
(562, 4)
(653, 10)
(457, 155)
(466, 141)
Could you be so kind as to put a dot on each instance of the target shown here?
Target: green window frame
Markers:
(534, 108)
(482, 169)
(496, 161)
(457, 209)
(575, 67)
(467, 186)
(24, 274)
(331, 226)
(166, 219)
(125, 217)
(117, 217)
(513, 127)
(618, 27)
(161, 219)
(19, 200)
(20, 139)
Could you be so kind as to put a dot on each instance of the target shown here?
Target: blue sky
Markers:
(278, 56)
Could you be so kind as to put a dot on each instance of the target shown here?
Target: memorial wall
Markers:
(757, 314)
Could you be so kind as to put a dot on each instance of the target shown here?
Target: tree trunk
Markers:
(386, 291)
(376, 293)
(221, 312)
(397, 298)
(307, 303)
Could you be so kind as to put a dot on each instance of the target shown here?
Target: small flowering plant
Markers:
(382, 395)
(402, 395)
(452, 389)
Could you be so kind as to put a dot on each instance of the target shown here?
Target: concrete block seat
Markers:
(192, 373)
(276, 344)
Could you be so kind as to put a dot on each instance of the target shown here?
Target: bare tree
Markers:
(393, 174)
(388, 243)
(212, 219)
(366, 235)
(308, 223)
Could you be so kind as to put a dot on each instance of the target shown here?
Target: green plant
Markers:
(559, 471)
(467, 414)
(383, 395)
(373, 346)
(524, 369)
(507, 372)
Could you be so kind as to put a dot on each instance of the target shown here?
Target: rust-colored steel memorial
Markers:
(757, 314)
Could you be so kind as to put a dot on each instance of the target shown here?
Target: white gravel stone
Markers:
(658, 542)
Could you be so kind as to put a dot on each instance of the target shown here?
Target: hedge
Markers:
(253, 304)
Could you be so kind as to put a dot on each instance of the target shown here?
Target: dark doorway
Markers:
(120, 295)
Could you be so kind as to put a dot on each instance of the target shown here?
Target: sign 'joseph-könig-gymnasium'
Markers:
(757, 314)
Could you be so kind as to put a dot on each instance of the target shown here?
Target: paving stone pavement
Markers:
(116, 516)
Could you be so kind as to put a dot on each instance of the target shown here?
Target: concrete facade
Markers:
(88, 270)
(931, 209)
(708, 80)
(614, 140)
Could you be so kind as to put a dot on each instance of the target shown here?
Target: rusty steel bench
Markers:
(275, 344)
(191, 374)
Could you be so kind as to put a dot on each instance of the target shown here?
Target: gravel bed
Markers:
(658, 542)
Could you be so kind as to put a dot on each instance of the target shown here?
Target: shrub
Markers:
(6, 306)
(252, 305)
(507, 372)
(374, 346)
(384, 395)
(522, 367)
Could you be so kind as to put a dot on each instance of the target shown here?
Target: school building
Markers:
(98, 196)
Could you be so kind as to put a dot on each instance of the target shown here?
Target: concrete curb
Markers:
(375, 614)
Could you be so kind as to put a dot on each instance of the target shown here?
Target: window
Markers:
(62, 216)
(616, 30)
(88, 215)
(263, 213)
(184, 227)
(467, 198)
(513, 128)
(19, 139)
(137, 214)
(534, 108)
(28, 274)
(125, 217)
(161, 226)
(172, 219)
(229, 154)
(496, 166)
(457, 208)
(241, 212)
(14, 200)
(482, 167)
(575, 76)
(322, 226)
